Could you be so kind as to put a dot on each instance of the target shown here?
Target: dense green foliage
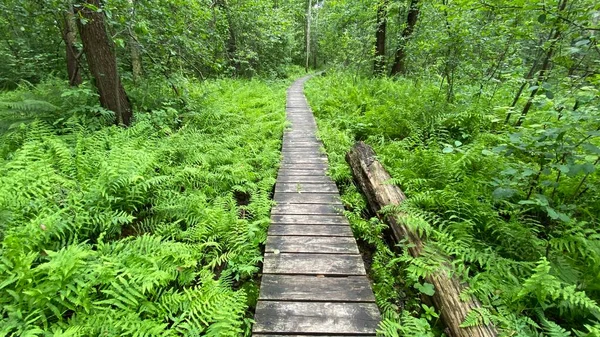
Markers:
(491, 125)
(524, 236)
(147, 231)
(202, 39)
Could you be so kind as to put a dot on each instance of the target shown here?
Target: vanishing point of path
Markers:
(314, 280)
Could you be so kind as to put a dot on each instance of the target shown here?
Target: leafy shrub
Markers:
(516, 210)
(139, 231)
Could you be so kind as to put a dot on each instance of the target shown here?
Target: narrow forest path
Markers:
(314, 279)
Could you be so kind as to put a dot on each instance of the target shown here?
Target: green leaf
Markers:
(503, 193)
(425, 288)
(591, 148)
(448, 149)
(542, 18)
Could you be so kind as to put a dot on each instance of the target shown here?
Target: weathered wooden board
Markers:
(307, 198)
(306, 187)
(287, 159)
(310, 230)
(307, 219)
(311, 244)
(304, 155)
(293, 149)
(304, 179)
(315, 209)
(269, 335)
(301, 172)
(299, 136)
(315, 166)
(312, 288)
(316, 317)
(313, 264)
(290, 143)
(301, 141)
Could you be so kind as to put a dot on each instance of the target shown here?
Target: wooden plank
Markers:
(303, 123)
(291, 143)
(320, 166)
(301, 172)
(306, 187)
(301, 139)
(302, 161)
(311, 244)
(315, 209)
(314, 166)
(307, 198)
(309, 219)
(299, 136)
(316, 317)
(312, 149)
(310, 230)
(303, 179)
(313, 264)
(305, 157)
(318, 289)
(269, 335)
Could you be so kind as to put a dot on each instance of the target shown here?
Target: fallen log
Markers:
(371, 178)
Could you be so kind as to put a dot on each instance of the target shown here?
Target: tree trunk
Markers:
(102, 61)
(399, 66)
(308, 35)
(554, 37)
(134, 48)
(136, 58)
(372, 179)
(69, 31)
(379, 66)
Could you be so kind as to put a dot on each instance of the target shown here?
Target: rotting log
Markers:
(372, 179)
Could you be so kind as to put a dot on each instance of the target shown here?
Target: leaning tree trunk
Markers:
(399, 66)
(372, 179)
(102, 61)
(69, 31)
(379, 66)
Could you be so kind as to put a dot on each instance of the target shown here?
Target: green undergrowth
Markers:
(152, 230)
(515, 209)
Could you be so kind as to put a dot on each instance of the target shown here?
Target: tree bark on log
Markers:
(102, 61)
(371, 178)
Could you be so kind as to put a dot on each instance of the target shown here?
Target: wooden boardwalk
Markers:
(314, 281)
